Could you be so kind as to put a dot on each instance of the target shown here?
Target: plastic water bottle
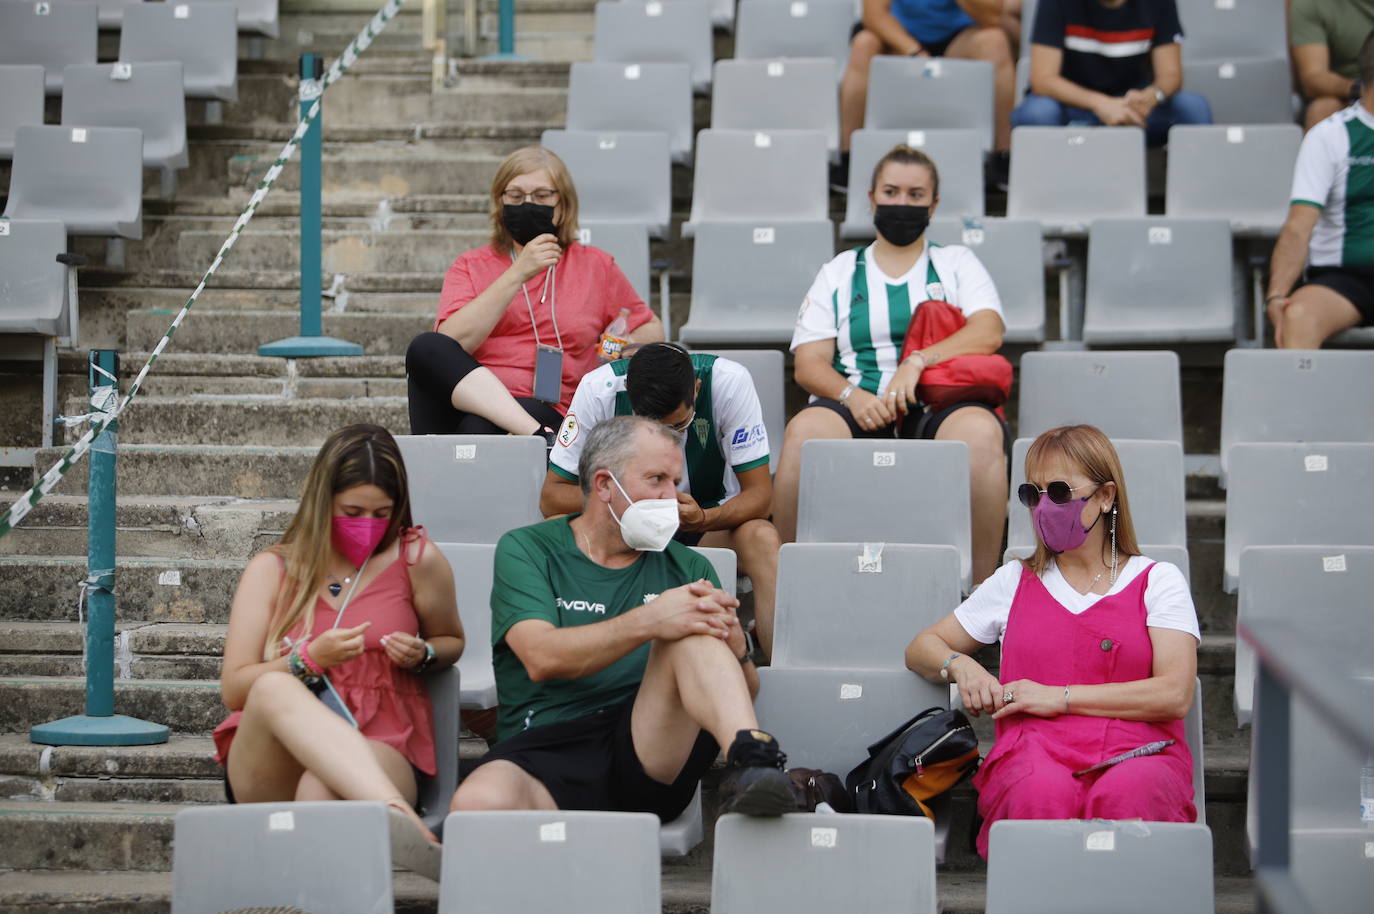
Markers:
(615, 338)
(1367, 792)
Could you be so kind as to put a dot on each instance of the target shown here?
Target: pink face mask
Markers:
(1059, 526)
(357, 537)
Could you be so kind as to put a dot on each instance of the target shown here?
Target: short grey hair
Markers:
(611, 444)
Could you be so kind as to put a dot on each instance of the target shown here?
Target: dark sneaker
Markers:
(998, 171)
(549, 435)
(839, 175)
(754, 783)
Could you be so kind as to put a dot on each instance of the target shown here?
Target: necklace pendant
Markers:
(335, 588)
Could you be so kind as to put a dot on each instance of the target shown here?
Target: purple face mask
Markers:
(1059, 526)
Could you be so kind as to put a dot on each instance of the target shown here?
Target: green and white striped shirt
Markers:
(868, 335)
(1335, 173)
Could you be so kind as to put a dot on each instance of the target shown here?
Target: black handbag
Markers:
(921, 759)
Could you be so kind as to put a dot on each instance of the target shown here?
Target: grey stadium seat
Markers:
(325, 856)
(562, 860)
(628, 243)
(1239, 28)
(1071, 866)
(472, 575)
(1297, 495)
(203, 36)
(890, 491)
(797, 94)
(1125, 394)
(52, 35)
(961, 187)
(1159, 280)
(827, 718)
(88, 178)
(1284, 581)
(766, 368)
(930, 92)
(856, 605)
(809, 863)
(748, 279)
(112, 12)
(474, 488)
(1243, 91)
(21, 102)
(42, 307)
(618, 97)
(620, 177)
(445, 690)
(759, 176)
(1011, 249)
(257, 16)
(660, 31)
(149, 97)
(1066, 177)
(768, 29)
(1287, 395)
(1240, 172)
(1154, 487)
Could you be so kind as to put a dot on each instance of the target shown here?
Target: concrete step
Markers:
(185, 705)
(46, 588)
(198, 527)
(197, 470)
(143, 650)
(251, 420)
(242, 332)
(342, 251)
(396, 171)
(686, 890)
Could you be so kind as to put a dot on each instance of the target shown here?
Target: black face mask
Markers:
(901, 225)
(528, 221)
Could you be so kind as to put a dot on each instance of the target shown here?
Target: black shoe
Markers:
(549, 435)
(998, 171)
(754, 783)
(839, 175)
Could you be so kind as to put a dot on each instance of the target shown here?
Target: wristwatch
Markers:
(1160, 97)
(427, 661)
(749, 645)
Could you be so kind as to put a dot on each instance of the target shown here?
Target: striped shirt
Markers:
(1335, 173)
(1106, 49)
(868, 335)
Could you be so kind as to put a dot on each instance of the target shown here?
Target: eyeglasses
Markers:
(1059, 491)
(545, 196)
(685, 424)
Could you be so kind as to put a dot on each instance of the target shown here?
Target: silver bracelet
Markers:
(844, 395)
(1066, 699)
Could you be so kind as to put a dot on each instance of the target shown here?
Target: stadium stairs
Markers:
(213, 454)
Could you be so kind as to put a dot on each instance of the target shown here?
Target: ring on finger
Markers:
(1008, 697)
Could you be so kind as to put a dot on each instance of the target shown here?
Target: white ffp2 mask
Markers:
(647, 525)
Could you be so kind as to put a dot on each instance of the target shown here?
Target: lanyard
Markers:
(551, 290)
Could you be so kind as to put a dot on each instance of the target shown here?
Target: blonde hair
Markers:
(1085, 447)
(521, 162)
(352, 456)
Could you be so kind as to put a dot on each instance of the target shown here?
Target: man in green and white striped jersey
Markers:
(1330, 228)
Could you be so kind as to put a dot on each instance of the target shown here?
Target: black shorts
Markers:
(920, 425)
(590, 763)
(933, 48)
(1354, 285)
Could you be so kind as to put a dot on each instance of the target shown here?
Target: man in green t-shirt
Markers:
(621, 668)
(1325, 36)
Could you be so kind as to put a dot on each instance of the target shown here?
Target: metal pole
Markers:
(311, 341)
(505, 33)
(100, 726)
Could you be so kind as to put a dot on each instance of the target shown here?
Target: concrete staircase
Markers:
(213, 454)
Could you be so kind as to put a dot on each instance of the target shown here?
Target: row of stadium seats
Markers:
(56, 34)
(336, 857)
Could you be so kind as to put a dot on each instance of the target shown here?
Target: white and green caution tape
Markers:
(26, 502)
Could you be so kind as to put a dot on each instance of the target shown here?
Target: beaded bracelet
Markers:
(309, 661)
(297, 666)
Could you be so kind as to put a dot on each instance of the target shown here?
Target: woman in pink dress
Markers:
(1099, 653)
(351, 540)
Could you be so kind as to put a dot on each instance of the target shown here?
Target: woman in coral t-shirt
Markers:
(534, 293)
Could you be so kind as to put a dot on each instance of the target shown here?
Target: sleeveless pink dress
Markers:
(1028, 772)
(390, 704)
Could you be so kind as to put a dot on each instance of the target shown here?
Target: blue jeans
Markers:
(1179, 108)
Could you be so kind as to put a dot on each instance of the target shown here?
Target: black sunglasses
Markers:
(1059, 491)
